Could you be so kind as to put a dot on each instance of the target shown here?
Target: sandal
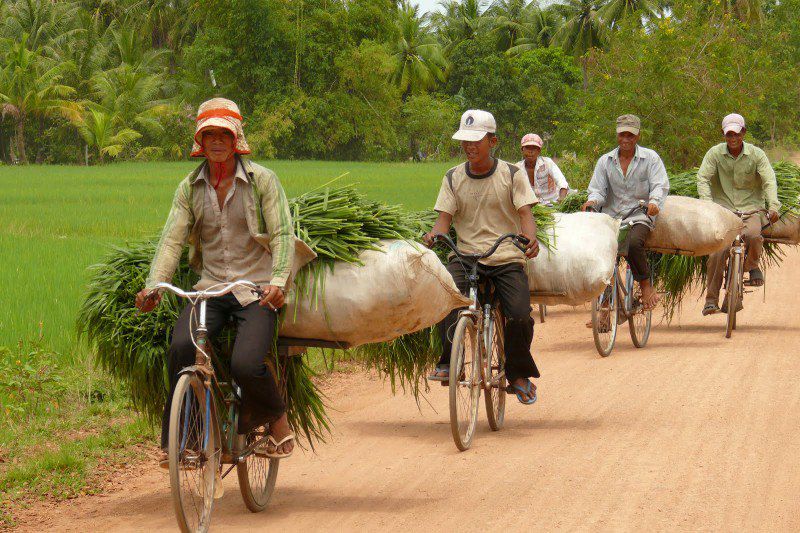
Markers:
(710, 308)
(521, 392)
(440, 373)
(272, 447)
(756, 278)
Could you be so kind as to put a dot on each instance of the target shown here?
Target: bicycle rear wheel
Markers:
(495, 394)
(257, 474)
(604, 319)
(464, 382)
(193, 454)
(639, 320)
(734, 292)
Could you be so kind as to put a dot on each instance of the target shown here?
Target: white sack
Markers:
(689, 226)
(582, 263)
(786, 229)
(401, 289)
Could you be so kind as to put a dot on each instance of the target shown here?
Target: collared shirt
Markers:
(742, 183)
(486, 206)
(548, 180)
(616, 193)
(230, 253)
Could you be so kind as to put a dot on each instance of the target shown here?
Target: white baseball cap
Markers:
(733, 122)
(475, 124)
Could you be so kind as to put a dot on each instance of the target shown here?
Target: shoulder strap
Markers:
(450, 178)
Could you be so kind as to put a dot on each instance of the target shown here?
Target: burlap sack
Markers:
(401, 289)
(688, 226)
(787, 230)
(582, 263)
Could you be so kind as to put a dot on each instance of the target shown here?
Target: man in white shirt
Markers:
(545, 177)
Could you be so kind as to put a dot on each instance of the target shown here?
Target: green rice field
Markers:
(58, 220)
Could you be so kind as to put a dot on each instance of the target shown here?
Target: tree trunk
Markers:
(584, 68)
(20, 139)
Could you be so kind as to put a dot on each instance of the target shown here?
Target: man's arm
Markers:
(706, 172)
(659, 185)
(528, 229)
(279, 230)
(598, 186)
(769, 183)
(442, 225)
(169, 247)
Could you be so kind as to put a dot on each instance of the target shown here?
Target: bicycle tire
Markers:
(605, 308)
(192, 473)
(733, 293)
(464, 356)
(639, 320)
(495, 394)
(257, 475)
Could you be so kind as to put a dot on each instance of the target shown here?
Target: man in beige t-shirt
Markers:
(484, 199)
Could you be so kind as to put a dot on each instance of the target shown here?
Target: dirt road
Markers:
(694, 432)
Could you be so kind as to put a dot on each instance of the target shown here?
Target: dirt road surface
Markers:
(695, 432)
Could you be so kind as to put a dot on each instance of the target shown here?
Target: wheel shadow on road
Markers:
(720, 328)
(419, 430)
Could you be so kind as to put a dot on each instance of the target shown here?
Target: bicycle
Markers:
(477, 358)
(734, 274)
(606, 309)
(201, 441)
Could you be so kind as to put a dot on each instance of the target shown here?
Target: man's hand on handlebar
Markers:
(589, 204)
(773, 216)
(652, 210)
(429, 238)
(147, 300)
(532, 248)
(272, 297)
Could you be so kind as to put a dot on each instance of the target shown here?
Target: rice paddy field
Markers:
(58, 220)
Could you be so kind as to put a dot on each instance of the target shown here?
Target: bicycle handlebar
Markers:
(208, 293)
(520, 241)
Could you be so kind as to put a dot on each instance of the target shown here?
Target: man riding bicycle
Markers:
(485, 198)
(739, 177)
(622, 178)
(236, 218)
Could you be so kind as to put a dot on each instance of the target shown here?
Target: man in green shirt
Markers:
(739, 177)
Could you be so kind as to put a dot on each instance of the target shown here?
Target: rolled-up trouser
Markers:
(511, 288)
(634, 251)
(718, 262)
(255, 331)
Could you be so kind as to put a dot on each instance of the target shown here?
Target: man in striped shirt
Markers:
(234, 215)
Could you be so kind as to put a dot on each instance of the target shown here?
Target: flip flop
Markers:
(710, 309)
(439, 369)
(522, 392)
(756, 278)
(271, 442)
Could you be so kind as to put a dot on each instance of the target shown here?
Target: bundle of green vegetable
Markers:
(338, 223)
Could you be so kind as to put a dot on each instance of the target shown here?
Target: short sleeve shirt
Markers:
(485, 207)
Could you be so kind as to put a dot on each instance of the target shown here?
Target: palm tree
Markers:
(751, 11)
(512, 19)
(540, 32)
(419, 63)
(31, 86)
(582, 31)
(459, 21)
(100, 129)
(616, 10)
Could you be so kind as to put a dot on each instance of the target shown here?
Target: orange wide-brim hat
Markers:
(219, 113)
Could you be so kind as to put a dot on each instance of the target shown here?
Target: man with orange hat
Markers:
(546, 178)
(235, 216)
(739, 177)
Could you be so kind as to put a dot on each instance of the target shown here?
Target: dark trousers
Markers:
(634, 251)
(511, 288)
(255, 331)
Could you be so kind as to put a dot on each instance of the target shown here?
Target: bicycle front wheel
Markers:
(495, 395)
(639, 320)
(464, 382)
(193, 455)
(604, 319)
(734, 294)
(257, 474)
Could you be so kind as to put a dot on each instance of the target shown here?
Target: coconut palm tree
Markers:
(616, 10)
(31, 87)
(539, 32)
(419, 63)
(100, 129)
(583, 30)
(511, 20)
(459, 21)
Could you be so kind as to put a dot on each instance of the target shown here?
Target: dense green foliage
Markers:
(376, 79)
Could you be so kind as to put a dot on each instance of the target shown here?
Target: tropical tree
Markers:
(31, 86)
(418, 61)
(539, 32)
(459, 21)
(511, 20)
(583, 30)
(102, 132)
(616, 10)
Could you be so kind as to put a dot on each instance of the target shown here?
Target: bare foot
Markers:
(650, 297)
(279, 430)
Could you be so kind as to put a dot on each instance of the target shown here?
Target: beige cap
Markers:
(475, 124)
(220, 113)
(629, 123)
(733, 122)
